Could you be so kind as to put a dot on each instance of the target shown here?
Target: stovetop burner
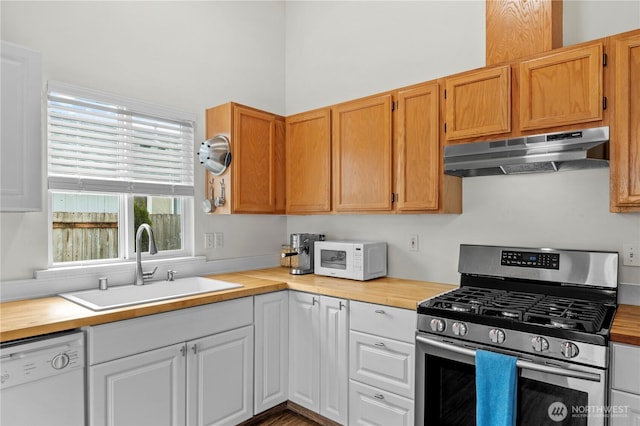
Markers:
(519, 307)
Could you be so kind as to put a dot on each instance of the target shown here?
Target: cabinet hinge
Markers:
(604, 59)
(604, 103)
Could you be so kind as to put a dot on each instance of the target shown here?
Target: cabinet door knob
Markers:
(379, 396)
(379, 344)
(379, 311)
(183, 350)
(194, 348)
(342, 305)
(315, 300)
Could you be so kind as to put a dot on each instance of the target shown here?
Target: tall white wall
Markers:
(338, 51)
(184, 55)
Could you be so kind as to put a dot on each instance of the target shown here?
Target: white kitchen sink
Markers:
(117, 297)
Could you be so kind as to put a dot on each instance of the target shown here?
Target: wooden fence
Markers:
(89, 236)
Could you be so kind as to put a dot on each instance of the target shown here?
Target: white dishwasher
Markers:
(42, 380)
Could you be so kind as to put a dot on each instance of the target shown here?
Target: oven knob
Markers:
(459, 328)
(437, 325)
(569, 350)
(540, 344)
(496, 335)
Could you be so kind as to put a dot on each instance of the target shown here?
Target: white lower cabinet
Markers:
(334, 358)
(318, 354)
(625, 385)
(373, 406)
(142, 389)
(159, 370)
(384, 363)
(271, 359)
(220, 378)
(381, 365)
(304, 350)
(627, 408)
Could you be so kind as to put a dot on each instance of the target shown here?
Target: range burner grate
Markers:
(529, 308)
(566, 313)
(512, 305)
(466, 299)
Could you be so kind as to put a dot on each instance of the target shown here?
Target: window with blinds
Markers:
(99, 144)
(113, 164)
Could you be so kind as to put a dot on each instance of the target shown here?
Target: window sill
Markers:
(109, 268)
(53, 281)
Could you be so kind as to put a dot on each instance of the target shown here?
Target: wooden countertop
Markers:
(32, 317)
(626, 325)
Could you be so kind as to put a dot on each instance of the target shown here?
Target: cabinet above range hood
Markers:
(551, 152)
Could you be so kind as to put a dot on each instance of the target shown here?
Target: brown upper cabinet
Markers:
(308, 171)
(255, 178)
(478, 103)
(625, 129)
(421, 186)
(362, 155)
(555, 91)
(562, 88)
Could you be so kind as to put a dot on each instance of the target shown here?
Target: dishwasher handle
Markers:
(527, 365)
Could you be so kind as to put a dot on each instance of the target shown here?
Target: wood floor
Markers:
(289, 414)
(287, 418)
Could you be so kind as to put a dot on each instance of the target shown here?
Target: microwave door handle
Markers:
(520, 363)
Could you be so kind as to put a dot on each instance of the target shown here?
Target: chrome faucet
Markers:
(141, 276)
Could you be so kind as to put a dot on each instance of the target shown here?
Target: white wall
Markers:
(588, 19)
(338, 51)
(564, 210)
(184, 55)
(342, 50)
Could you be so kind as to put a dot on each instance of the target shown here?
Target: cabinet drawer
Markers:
(385, 321)
(128, 337)
(629, 407)
(381, 362)
(626, 367)
(371, 406)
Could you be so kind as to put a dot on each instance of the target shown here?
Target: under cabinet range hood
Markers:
(551, 152)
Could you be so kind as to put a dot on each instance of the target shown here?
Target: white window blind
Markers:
(99, 142)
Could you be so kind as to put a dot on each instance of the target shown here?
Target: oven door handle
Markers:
(520, 363)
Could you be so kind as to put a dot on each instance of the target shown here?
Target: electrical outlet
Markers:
(631, 254)
(218, 238)
(208, 241)
(413, 242)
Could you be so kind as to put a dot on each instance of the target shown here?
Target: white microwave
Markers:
(355, 260)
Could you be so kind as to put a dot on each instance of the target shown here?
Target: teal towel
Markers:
(496, 389)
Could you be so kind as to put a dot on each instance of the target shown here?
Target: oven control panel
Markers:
(530, 259)
(508, 341)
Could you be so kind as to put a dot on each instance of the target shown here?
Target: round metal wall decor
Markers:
(215, 154)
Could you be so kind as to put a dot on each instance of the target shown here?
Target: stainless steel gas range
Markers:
(551, 309)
